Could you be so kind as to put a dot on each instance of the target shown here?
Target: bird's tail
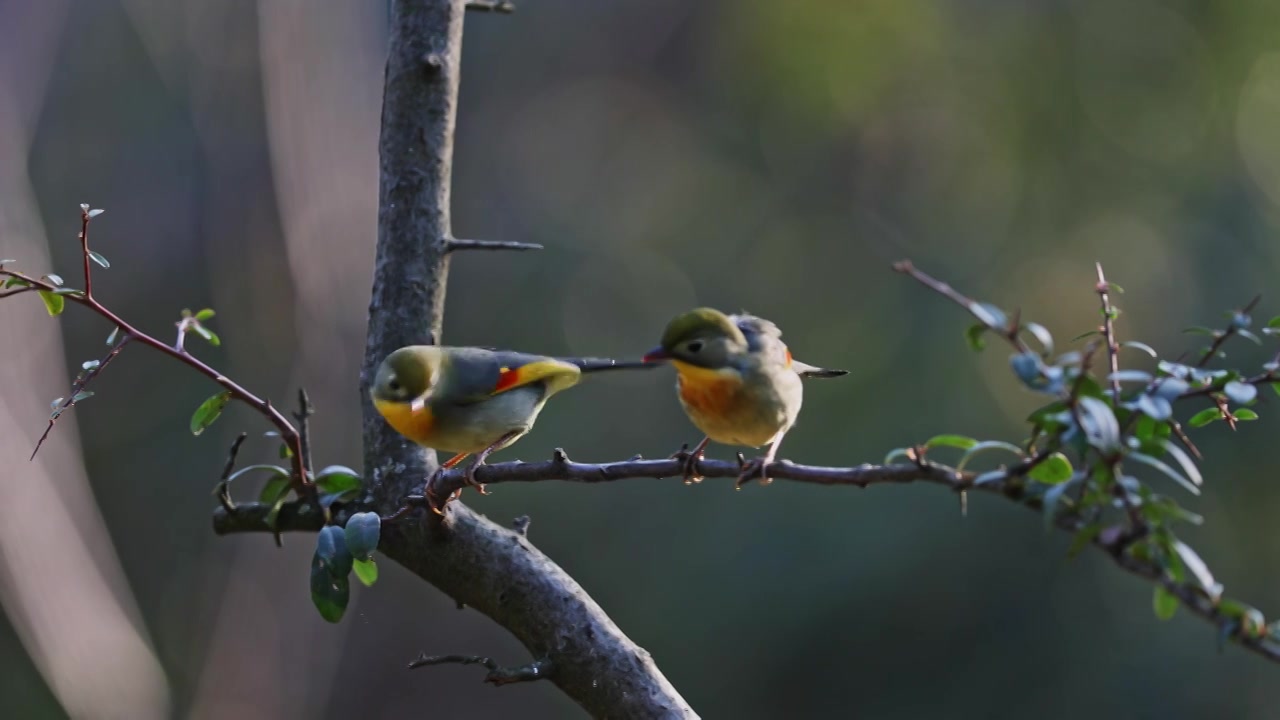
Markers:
(590, 364)
(806, 370)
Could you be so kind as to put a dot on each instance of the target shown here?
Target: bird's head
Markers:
(704, 337)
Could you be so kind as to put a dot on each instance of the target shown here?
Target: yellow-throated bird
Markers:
(472, 400)
(736, 380)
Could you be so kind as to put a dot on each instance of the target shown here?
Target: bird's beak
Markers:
(417, 404)
(656, 355)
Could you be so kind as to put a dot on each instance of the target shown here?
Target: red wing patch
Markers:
(507, 379)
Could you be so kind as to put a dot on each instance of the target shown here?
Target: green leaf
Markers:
(1042, 335)
(97, 257)
(1052, 470)
(1249, 336)
(1162, 467)
(1188, 465)
(1050, 501)
(362, 534)
(7, 261)
(207, 334)
(1199, 570)
(1084, 335)
(983, 447)
(955, 441)
(1155, 407)
(82, 395)
(205, 314)
(1140, 346)
(53, 302)
(209, 411)
(276, 487)
(896, 453)
(1101, 428)
(1208, 415)
(55, 279)
(90, 364)
(330, 594)
(96, 212)
(111, 339)
(285, 451)
(275, 470)
(337, 478)
(990, 476)
(1199, 330)
(331, 548)
(1239, 392)
(989, 315)
(1245, 414)
(1027, 367)
(1164, 603)
(974, 337)
(16, 282)
(1130, 376)
(366, 571)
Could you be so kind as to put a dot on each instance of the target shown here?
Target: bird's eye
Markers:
(694, 346)
(394, 385)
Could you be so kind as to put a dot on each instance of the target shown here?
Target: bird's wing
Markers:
(765, 338)
(480, 374)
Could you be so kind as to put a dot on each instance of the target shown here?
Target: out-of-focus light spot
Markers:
(1258, 125)
(1142, 77)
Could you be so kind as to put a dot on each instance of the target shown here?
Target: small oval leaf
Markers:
(97, 257)
(209, 411)
(362, 534)
(53, 302)
(366, 571)
(1052, 470)
(1164, 603)
(1206, 416)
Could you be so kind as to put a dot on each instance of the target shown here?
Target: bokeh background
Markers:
(748, 154)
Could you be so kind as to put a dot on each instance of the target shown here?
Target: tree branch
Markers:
(1115, 541)
(473, 560)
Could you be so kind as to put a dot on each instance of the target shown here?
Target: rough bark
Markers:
(474, 561)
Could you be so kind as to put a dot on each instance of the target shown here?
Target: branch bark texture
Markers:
(473, 560)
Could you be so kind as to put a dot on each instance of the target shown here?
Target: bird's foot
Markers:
(753, 468)
(470, 477)
(688, 463)
(432, 494)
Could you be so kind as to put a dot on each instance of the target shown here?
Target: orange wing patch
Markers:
(788, 357)
(558, 375)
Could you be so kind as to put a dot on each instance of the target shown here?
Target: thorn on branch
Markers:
(521, 525)
(497, 675)
(452, 244)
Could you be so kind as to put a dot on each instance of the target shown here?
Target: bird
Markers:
(737, 382)
(470, 400)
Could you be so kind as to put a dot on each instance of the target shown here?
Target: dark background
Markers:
(749, 154)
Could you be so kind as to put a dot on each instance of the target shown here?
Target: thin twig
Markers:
(497, 675)
(223, 489)
(1010, 332)
(1220, 339)
(76, 387)
(1109, 333)
(288, 433)
(84, 250)
(303, 417)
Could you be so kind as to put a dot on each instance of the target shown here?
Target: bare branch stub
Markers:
(497, 675)
(496, 6)
(1109, 331)
(454, 244)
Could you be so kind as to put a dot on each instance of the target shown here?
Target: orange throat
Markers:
(705, 391)
(415, 425)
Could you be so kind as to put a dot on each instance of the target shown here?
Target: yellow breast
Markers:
(415, 425)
